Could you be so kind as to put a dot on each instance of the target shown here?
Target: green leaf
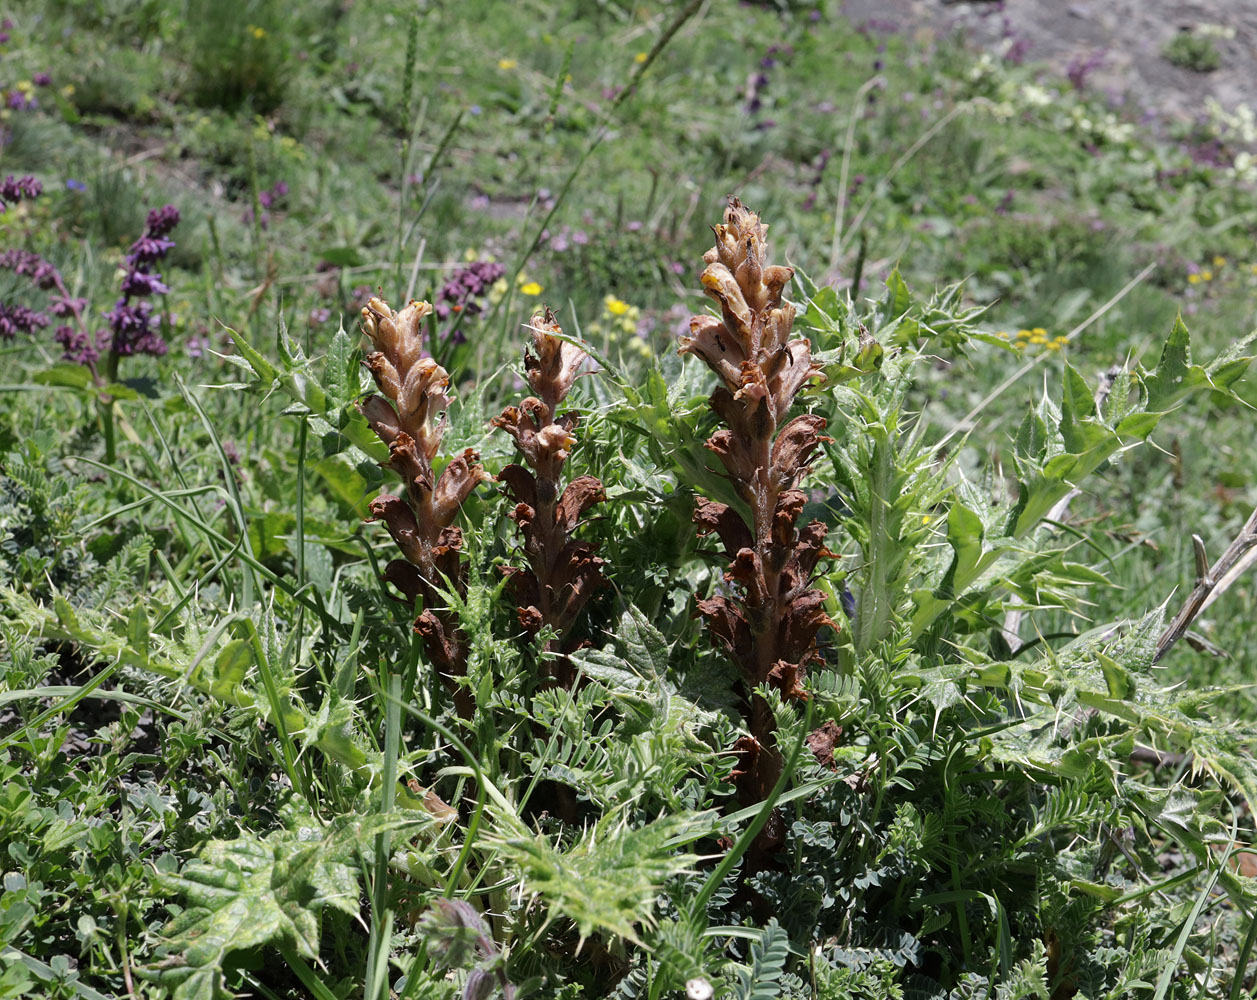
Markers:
(64, 374)
(340, 370)
(898, 298)
(1170, 380)
(230, 668)
(610, 878)
(760, 979)
(245, 894)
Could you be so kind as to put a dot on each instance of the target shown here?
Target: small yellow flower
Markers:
(25, 86)
(614, 306)
(1040, 331)
(1002, 334)
(1219, 262)
(470, 254)
(1194, 279)
(1037, 339)
(1253, 268)
(1023, 334)
(67, 90)
(530, 288)
(1060, 340)
(507, 64)
(640, 57)
(1053, 345)
(1206, 275)
(255, 31)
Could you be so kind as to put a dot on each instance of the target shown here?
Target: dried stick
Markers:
(1211, 581)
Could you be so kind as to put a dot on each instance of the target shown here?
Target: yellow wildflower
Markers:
(1023, 334)
(1039, 331)
(1053, 345)
(615, 306)
(255, 31)
(1038, 339)
(507, 64)
(1206, 275)
(1194, 279)
(530, 288)
(1219, 262)
(640, 57)
(470, 254)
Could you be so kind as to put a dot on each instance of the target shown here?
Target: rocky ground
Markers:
(1122, 39)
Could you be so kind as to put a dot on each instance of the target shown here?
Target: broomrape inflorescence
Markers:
(768, 626)
(410, 417)
(562, 572)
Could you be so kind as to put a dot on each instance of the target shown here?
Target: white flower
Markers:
(698, 989)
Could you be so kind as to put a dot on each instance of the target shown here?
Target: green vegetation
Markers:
(306, 690)
(1193, 51)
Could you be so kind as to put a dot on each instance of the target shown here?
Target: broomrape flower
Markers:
(767, 620)
(409, 415)
(562, 573)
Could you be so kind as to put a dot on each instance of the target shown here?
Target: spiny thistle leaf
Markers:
(608, 880)
(250, 892)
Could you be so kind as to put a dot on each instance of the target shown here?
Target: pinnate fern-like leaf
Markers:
(760, 980)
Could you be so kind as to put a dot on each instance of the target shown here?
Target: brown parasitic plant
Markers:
(410, 417)
(769, 621)
(562, 571)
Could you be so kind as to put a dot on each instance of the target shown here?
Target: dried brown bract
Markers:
(562, 572)
(410, 417)
(769, 625)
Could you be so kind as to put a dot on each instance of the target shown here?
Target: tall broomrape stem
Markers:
(562, 572)
(410, 417)
(768, 626)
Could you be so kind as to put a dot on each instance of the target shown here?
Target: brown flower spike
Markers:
(562, 572)
(769, 627)
(410, 417)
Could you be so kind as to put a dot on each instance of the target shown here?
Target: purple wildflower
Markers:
(42, 80)
(15, 319)
(162, 220)
(131, 324)
(140, 283)
(77, 346)
(30, 265)
(148, 250)
(15, 189)
(457, 297)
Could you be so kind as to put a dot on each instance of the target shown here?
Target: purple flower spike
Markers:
(131, 327)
